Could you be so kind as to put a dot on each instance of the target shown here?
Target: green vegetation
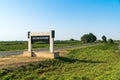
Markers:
(100, 62)
(67, 43)
(22, 45)
(110, 41)
(104, 38)
(13, 45)
(88, 38)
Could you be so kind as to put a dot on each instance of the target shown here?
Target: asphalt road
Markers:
(8, 53)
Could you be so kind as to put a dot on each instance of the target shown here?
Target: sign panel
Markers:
(40, 38)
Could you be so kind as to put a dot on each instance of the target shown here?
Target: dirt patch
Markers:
(19, 60)
(15, 61)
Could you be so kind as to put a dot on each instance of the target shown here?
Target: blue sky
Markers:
(69, 18)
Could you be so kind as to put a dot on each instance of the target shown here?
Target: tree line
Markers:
(90, 38)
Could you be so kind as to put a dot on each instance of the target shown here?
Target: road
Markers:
(8, 53)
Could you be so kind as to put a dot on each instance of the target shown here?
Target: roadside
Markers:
(19, 60)
(9, 53)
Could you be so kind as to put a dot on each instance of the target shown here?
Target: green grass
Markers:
(100, 62)
(23, 45)
(13, 45)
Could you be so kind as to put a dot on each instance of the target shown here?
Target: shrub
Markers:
(110, 41)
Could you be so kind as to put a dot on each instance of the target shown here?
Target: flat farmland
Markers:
(23, 45)
(98, 62)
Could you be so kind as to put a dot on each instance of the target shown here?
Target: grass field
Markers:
(23, 45)
(100, 62)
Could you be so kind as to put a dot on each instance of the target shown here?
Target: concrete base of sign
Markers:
(27, 53)
(43, 54)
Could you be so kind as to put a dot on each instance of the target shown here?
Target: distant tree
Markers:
(72, 39)
(104, 39)
(92, 37)
(87, 38)
(110, 41)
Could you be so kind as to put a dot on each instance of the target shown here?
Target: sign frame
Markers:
(51, 36)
